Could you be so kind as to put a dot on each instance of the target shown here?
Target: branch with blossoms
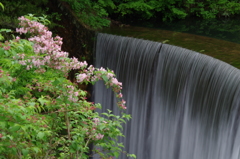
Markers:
(47, 48)
(92, 75)
(48, 52)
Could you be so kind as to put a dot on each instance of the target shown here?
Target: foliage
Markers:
(93, 13)
(13, 9)
(2, 31)
(43, 114)
(173, 9)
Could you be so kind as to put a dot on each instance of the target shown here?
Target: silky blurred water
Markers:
(184, 105)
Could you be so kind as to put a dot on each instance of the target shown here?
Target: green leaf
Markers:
(6, 53)
(109, 111)
(73, 146)
(25, 152)
(9, 137)
(42, 101)
(116, 154)
(1, 5)
(105, 78)
(132, 155)
(2, 125)
(1, 37)
(31, 104)
(15, 128)
(6, 30)
(58, 81)
(40, 135)
(36, 149)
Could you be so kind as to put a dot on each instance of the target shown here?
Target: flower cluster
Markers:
(94, 74)
(92, 132)
(97, 136)
(72, 93)
(47, 49)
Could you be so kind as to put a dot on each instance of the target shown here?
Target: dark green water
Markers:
(216, 38)
(224, 29)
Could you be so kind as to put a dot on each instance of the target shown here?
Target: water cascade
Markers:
(184, 105)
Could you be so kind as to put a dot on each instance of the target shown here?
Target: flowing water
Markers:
(221, 49)
(184, 105)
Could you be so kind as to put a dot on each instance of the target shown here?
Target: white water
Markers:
(184, 105)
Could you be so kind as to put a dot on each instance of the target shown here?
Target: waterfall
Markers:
(184, 105)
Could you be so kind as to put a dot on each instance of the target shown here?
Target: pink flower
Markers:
(120, 95)
(96, 120)
(76, 94)
(21, 30)
(109, 75)
(99, 136)
(115, 81)
(81, 77)
(22, 62)
(123, 107)
(6, 47)
(121, 104)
